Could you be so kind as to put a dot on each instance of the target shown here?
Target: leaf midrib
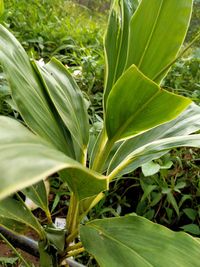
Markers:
(151, 34)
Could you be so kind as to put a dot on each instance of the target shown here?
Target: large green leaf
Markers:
(68, 100)
(134, 241)
(116, 41)
(137, 104)
(28, 93)
(26, 159)
(157, 31)
(186, 123)
(154, 150)
(14, 210)
(1, 7)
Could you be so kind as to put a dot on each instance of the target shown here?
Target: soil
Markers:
(5, 251)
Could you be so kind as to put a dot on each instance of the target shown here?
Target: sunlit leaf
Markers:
(28, 93)
(136, 104)
(26, 159)
(154, 150)
(157, 31)
(116, 41)
(185, 124)
(68, 100)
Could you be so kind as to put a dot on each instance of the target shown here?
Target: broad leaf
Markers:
(154, 150)
(26, 159)
(14, 210)
(28, 93)
(136, 104)
(1, 7)
(157, 31)
(185, 124)
(68, 100)
(134, 241)
(116, 41)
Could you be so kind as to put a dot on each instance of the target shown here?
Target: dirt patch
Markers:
(7, 252)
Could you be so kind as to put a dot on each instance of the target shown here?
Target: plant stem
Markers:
(49, 219)
(75, 252)
(71, 237)
(76, 246)
(103, 153)
(73, 215)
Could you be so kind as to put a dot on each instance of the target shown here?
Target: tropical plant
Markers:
(138, 127)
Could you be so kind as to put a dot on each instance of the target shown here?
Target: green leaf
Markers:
(191, 213)
(33, 159)
(56, 237)
(136, 104)
(191, 228)
(171, 199)
(155, 41)
(14, 210)
(154, 150)
(116, 41)
(185, 124)
(150, 168)
(147, 190)
(134, 241)
(37, 193)
(28, 93)
(1, 7)
(8, 260)
(68, 100)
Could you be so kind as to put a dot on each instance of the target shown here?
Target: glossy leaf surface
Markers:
(134, 241)
(155, 150)
(28, 93)
(157, 31)
(186, 123)
(67, 99)
(26, 159)
(136, 104)
(116, 41)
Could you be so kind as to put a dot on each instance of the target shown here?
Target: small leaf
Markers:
(150, 168)
(191, 213)
(171, 199)
(191, 228)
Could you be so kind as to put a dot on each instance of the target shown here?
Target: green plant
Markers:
(138, 127)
